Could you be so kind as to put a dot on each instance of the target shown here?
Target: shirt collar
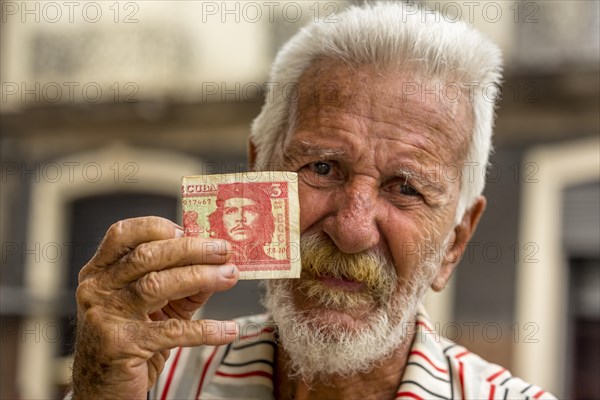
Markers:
(248, 365)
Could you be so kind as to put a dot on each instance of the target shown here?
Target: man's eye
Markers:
(402, 188)
(321, 174)
(408, 190)
(321, 168)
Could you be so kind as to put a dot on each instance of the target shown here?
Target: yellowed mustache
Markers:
(322, 259)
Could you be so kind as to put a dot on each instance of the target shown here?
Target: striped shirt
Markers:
(436, 369)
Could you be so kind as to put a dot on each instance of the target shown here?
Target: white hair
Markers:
(392, 34)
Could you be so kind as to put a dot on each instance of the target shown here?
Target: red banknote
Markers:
(257, 212)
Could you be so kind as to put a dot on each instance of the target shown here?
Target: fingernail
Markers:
(215, 246)
(228, 270)
(179, 233)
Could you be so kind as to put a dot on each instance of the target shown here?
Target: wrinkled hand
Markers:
(135, 299)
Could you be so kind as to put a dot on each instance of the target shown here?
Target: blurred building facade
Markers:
(105, 105)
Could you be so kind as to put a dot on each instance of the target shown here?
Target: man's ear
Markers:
(251, 155)
(455, 248)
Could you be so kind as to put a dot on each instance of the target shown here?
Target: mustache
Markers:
(239, 227)
(321, 258)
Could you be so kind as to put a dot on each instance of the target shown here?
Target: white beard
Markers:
(317, 349)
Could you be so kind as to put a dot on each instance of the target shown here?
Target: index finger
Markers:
(125, 235)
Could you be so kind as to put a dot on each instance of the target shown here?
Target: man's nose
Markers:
(353, 227)
(241, 216)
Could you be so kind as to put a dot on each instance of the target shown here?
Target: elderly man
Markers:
(388, 104)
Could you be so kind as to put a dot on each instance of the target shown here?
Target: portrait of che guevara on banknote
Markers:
(257, 212)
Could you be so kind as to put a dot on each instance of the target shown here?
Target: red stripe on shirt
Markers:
(409, 394)
(171, 373)
(418, 353)
(204, 371)
(464, 353)
(492, 391)
(497, 374)
(246, 374)
(538, 394)
(424, 325)
(253, 335)
(461, 375)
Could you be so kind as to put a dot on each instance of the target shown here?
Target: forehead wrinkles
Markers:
(379, 96)
(325, 86)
